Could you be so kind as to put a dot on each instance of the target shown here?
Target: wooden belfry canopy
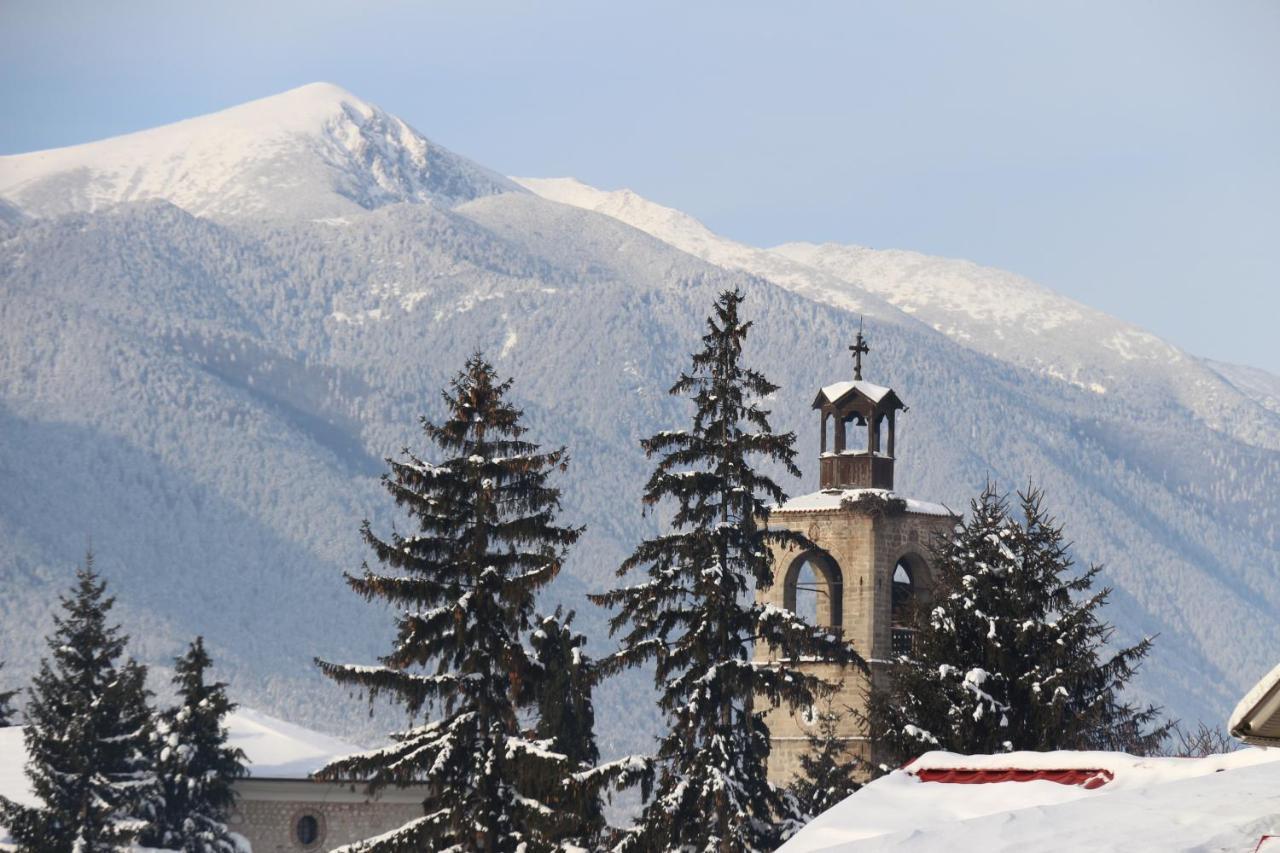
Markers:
(863, 460)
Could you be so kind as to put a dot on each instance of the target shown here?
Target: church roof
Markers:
(829, 499)
(275, 749)
(840, 391)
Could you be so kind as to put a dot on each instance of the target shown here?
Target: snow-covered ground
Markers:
(1219, 803)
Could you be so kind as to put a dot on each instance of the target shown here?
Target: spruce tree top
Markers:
(485, 525)
(83, 646)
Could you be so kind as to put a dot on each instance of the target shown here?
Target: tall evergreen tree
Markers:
(464, 586)
(7, 714)
(87, 735)
(693, 617)
(1011, 656)
(560, 683)
(828, 772)
(194, 765)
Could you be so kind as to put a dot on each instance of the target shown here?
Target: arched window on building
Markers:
(813, 589)
(902, 621)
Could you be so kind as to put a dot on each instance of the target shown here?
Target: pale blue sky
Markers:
(1124, 153)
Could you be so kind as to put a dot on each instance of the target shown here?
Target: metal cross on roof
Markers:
(859, 349)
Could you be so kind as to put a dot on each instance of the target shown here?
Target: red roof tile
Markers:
(1085, 778)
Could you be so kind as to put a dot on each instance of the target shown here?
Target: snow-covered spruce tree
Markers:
(693, 617)
(559, 685)
(1086, 678)
(7, 715)
(464, 587)
(194, 765)
(1011, 656)
(87, 734)
(828, 769)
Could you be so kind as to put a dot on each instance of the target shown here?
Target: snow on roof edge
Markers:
(1253, 699)
(873, 392)
(826, 500)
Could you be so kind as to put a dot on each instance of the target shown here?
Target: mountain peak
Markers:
(301, 108)
(311, 152)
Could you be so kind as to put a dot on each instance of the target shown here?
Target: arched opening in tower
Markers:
(902, 620)
(855, 434)
(813, 589)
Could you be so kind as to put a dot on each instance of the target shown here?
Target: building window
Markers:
(813, 589)
(308, 829)
(903, 618)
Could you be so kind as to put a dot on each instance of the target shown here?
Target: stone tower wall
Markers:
(866, 546)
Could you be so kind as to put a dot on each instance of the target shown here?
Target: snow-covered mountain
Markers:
(992, 311)
(316, 151)
(207, 347)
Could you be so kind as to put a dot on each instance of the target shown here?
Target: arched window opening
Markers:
(807, 592)
(856, 434)
(902, 622)
(813, 590)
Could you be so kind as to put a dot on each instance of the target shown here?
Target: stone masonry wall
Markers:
(866, 547)
(270, 825)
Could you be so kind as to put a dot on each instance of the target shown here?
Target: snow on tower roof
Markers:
(1221, 802)
(831, 499)
(875, 393)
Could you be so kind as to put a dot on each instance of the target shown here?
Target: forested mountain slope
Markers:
(205, 396)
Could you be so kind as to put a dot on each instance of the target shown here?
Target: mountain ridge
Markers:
(987, 309)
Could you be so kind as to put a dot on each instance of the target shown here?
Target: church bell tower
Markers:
(870, 567)
(862, 419)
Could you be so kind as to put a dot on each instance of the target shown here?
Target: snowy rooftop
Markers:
(1257, 717)
(282, 750)
(829, 499)
(276, 750)
(875, 393)
(1223, 802)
